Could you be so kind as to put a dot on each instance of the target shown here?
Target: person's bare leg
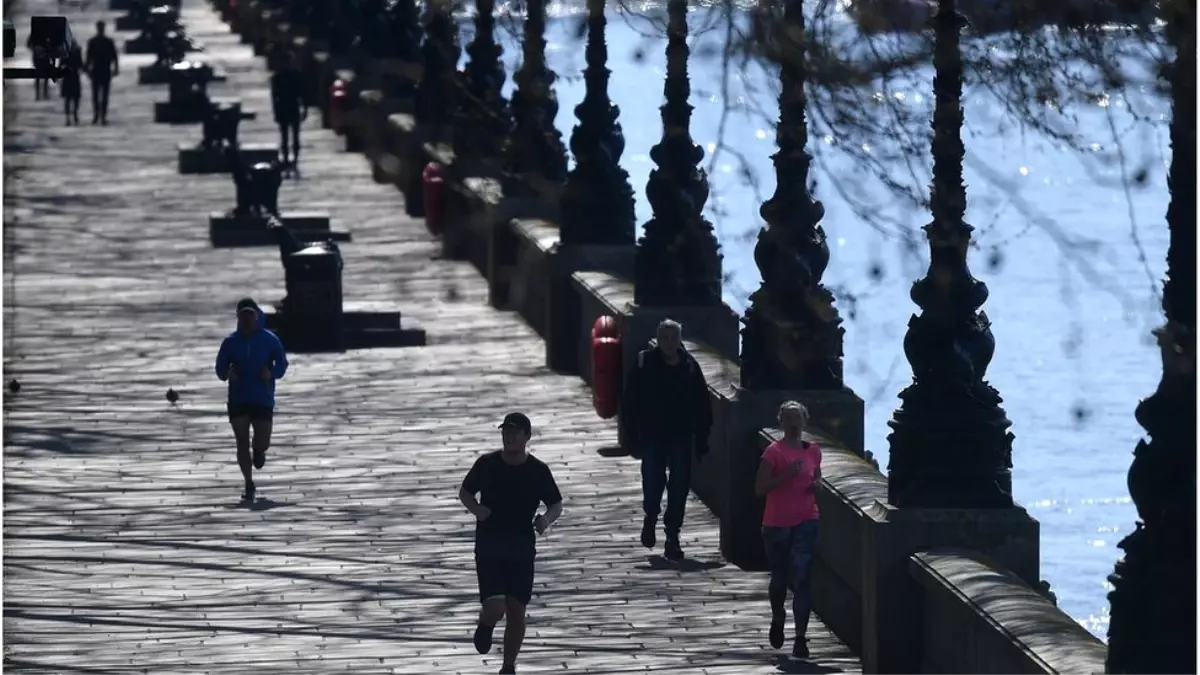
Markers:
(241, 434)
(514, 631)
(261, 441)
(490, 613)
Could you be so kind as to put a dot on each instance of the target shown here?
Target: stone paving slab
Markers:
(125, 547)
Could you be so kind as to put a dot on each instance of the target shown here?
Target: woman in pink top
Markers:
(787, 476)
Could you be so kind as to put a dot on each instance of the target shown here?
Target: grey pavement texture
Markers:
(125, 546)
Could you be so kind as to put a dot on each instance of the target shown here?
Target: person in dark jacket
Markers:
(289, 106)
(41, 85)
(251, 358)
(101, 66)
(72, 87)
(666, 415)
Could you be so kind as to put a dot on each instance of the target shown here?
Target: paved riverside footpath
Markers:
(125, 546)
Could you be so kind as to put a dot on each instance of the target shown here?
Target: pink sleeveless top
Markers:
(795, 501)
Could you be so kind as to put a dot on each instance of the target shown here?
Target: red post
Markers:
(606, 367)
(337, 104)
(433, 180)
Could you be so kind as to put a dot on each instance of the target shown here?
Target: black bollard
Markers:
(220, 131)
(251, 220)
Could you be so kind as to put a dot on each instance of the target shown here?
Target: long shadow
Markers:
(657, 563)
(17, 665)
(388, 633)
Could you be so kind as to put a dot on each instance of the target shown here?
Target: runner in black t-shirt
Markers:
(511, 483)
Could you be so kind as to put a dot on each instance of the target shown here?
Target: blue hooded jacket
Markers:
(249, 354)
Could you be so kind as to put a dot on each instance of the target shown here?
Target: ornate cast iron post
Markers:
(536, 158)
(404, 29)
(1153, 628)
(597, 201)
(793, 334)
(950, 444)
(678, 258)
(438, 88)
(482, 123)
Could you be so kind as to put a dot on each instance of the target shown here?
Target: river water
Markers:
(1072, 257)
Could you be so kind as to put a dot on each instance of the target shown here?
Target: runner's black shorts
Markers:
(256, 413)
(504, 573)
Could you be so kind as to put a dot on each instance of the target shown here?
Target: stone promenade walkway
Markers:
(125, 547)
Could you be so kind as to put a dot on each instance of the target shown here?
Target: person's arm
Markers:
(279, 364)
(87, 58)
(552, 498)
(631, 402)
(765, 481)
(471, 486)
(703, 402)
(112, 49)
(223, 361)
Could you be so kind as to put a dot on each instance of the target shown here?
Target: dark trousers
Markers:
(790, 553)
(289, 130)
(100, 87)
(666, 465)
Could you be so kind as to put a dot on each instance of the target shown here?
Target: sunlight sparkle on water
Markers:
(841, 241)
(1096, 543)
(760, 134)
(712, 147)
(828, 139)
(1024, 171)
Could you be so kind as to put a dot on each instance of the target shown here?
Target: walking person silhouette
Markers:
(41, 84)
(101, 66)
(72, 86)
(251, 359)
(667, 415)
(787, 477)
(290, 107)
(510, 484)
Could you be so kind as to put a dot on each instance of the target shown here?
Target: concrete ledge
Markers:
(530, 272)
(360, 326)
(196, 160)
(143, 46)
(158, 74)
(166, 112)
(472, 208)
(226, 231)
(605, 293)
(979, 619)
(127, 22)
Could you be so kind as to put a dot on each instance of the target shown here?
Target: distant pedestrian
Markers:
(510, 484)
(72, 87)
(787, 477)
(666, 413)
(290, 107)
(101, 66)
(41, 63)
(251, 358)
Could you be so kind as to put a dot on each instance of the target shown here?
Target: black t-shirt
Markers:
(512, 492)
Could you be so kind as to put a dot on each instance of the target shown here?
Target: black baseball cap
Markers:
(247, 304)
(517, 420)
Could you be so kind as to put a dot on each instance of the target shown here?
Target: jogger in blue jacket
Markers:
(251, 358)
